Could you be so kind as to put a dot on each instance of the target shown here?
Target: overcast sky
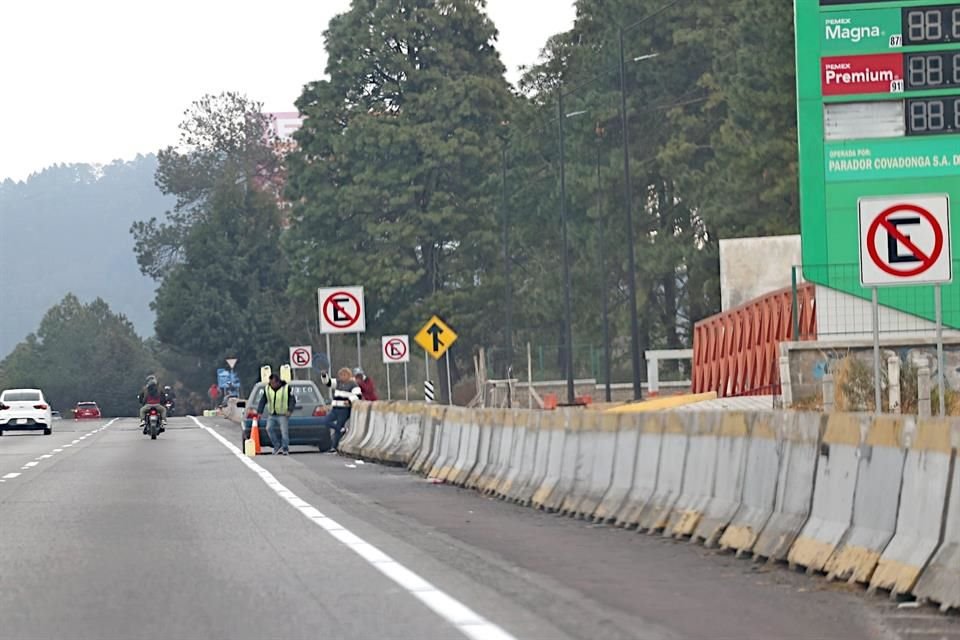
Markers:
(96, 80)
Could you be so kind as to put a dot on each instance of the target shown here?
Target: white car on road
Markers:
(25, 410)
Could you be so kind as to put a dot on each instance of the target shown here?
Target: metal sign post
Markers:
(449, 385)
(406, 384)
(389, 396)
(329, 353)
(359, 356)
(941, 365)
(878, 407)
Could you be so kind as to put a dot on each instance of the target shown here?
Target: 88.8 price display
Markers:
(931, 25)
(931, 116)
(933, 70)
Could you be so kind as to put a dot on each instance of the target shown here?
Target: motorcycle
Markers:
(153, 422)
(170, 405)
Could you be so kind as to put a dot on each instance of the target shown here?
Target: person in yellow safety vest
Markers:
(278, 401)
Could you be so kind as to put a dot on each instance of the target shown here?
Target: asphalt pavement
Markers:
(106, 534)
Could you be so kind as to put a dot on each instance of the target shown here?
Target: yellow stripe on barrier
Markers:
(843, 428)
(763, 427)
(885, 431)
(895, 577)
(666, 402)
(734, 425)
(933, 435)
(808, 552)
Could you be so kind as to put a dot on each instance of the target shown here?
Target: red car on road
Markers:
(86, 410)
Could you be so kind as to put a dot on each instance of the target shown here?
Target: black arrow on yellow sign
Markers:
(435, 331)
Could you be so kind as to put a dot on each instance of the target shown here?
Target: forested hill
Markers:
(67, 229)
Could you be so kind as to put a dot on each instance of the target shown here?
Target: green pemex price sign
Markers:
(878, 98)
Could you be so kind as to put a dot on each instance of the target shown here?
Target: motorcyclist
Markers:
(151, 396)
(171, 397)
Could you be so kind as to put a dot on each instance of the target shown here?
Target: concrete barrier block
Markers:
(762, 464)
(589, 446)
(357, 429)
(517, 483)
(437, 420)
(732, 444)
(557, 428)
(500, 457)
(469, 450)
(602, 465)
(655, 513)
(410, 420)
(376, 428)
(799, 441)
(699, 473)
(624, 462)
(449, 444)
(875, 503)
(645, 471)
(550, 422)
(569, 461)
(523, 438)
(916, 560)
(833, 494)
(456, 418)
(427, 441)
(487, 429)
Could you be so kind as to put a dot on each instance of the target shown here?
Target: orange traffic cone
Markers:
(255, 436)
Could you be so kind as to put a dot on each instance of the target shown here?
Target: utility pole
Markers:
(628, 207)
(567, 282)
(601, 254)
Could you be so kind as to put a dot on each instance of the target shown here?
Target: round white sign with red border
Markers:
(301, 357)
(905, 240)
(342, 310)
(396, 349)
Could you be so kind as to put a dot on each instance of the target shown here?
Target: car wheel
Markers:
(47, 431)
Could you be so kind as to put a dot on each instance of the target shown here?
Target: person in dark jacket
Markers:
(367, 390)
(278, 401)
(344, 392)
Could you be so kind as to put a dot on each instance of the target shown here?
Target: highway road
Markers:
(105, 534)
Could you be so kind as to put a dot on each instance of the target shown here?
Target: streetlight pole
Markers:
(567, 283)
(601, 254)
(508, 283)
(631, 257)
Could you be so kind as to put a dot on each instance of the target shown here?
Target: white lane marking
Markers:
(36, 461)
(465, 619)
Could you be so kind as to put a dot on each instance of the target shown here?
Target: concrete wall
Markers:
(753, 267)
(809, 361)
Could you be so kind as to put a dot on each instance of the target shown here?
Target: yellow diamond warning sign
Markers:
(436, 337)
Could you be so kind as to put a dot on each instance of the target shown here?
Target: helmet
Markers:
(358, 372)
(166, 388)
(151, 379)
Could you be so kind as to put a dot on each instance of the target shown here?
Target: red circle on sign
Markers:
(396, 342)
(300, 357)
(925, 261)
(331, 302)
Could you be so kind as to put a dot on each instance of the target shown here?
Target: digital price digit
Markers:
(934, 70)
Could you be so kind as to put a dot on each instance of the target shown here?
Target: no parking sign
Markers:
(905, 240)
